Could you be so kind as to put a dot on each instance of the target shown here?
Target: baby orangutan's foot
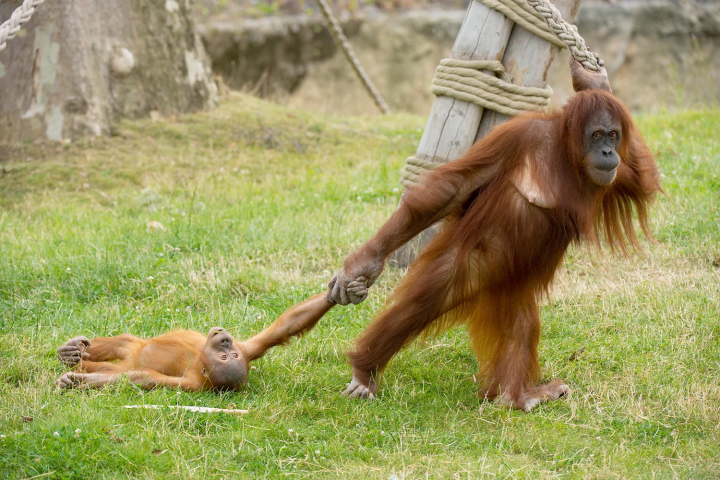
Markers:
(82, 381)
(71, 380)
(73, 351)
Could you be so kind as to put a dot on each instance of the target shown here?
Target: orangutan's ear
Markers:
(204, 372)
(583, 79)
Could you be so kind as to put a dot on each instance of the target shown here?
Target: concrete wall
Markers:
(659, 53)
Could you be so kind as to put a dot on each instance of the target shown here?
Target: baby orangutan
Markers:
(183, 358)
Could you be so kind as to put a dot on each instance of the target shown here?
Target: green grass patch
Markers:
(258, 205)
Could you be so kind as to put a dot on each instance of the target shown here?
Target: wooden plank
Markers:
(452, 124)
(527, 61)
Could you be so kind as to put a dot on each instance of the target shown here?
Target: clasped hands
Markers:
(351, 283)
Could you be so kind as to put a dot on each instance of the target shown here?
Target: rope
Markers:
(541, 18)
(524, 15)
(414, 169)
(566, 33)
(20, 16)
(342, 42)
(463, 80)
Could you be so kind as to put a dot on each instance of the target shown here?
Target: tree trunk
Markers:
(454, 125)
(79, 65)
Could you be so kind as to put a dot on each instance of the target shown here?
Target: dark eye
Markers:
(612, 134)
(223, 357)
(235, 355)
(597, 135)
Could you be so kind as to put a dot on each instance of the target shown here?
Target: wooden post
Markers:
(527, 61)
(454, 125)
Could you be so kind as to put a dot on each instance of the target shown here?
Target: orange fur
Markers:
(178, 359)
(498, 252)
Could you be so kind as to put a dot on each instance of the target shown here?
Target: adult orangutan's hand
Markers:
(584, 79)
(351, 283)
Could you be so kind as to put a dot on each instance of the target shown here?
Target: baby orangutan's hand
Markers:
(357, 290)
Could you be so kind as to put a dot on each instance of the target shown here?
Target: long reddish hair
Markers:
(637, 178)
(535, 246)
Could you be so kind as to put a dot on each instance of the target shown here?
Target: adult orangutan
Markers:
(512, 205)
(182, 358)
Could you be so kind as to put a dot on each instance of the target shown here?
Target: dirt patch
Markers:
(593, 272)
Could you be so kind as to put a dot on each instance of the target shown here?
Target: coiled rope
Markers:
(415, 168)
(464, 80)
(565, 32)
(20, 16)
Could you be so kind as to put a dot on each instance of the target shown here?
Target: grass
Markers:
(258, 205)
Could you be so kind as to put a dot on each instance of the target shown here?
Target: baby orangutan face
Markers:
(223, 363)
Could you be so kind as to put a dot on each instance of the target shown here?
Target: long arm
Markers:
(444, 190)
(442, 193)
(296, 321)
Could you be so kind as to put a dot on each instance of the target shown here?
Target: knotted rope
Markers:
(20, 16)
(541, 18)
(526, 16)
(565, 32)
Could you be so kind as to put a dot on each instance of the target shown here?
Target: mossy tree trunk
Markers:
(80, 65)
